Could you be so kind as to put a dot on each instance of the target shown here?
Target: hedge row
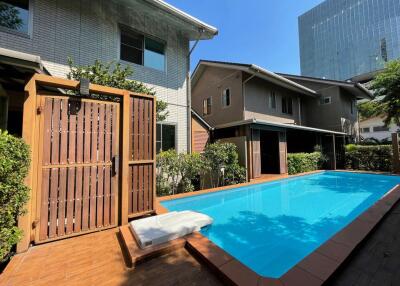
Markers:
(14, 164)
(369, 158)
(304, 162)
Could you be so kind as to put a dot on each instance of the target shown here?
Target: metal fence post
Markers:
(396, 158)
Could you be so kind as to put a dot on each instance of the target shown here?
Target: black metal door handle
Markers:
(115, 165)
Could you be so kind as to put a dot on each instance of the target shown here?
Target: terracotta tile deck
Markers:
(96, 259)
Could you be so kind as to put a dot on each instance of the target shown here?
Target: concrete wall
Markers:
(256, 102)
(87, 30)
(211, 84)
(374, 122)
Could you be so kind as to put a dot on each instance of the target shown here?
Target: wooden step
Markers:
(137, 255)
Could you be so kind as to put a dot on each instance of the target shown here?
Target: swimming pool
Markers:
(270, 227)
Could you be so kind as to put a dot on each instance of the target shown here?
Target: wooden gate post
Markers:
(396, 158)
(28, 134)
(125, 158)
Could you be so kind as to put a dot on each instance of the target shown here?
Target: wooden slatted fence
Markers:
(142, 156)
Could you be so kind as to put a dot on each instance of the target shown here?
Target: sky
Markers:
(261, 32)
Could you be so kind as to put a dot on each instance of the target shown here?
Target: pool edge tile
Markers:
(319, 265)
(354, 233)
(265, 281)
(297, 276)
(335, 251)
(239, 274)
(209, 251)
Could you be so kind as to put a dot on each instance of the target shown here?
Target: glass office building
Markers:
(342, 39)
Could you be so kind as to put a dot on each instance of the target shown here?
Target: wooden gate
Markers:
(93, 161)
(78, 178)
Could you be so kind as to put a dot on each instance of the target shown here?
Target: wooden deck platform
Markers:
(96, 259)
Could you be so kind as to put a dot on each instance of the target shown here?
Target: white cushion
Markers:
(162, 228)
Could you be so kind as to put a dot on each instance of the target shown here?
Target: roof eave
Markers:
(276, 124)
(293, 84)
(254, 69)
(211, 30)
(364, 90)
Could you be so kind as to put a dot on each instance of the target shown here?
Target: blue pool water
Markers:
(270, 227)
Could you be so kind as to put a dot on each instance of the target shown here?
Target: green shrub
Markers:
(222, 161)
(369, 157)
(304, 162)
(180, 173)
(14, 164)
(176, 172)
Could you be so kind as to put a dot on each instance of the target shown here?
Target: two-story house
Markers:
(149, 35)
(268, 115)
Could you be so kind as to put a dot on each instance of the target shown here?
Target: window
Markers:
(154, 55)
(287, 105)
(272, 100)
(380, 128)
(165, 137)
(140, 50)
(14, 15)
(384, 53)
(365, 130)
(325, 100)
(226, 97)
(207, 106)
(353, 106)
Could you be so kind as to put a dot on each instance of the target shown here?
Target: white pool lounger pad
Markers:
(162, 228)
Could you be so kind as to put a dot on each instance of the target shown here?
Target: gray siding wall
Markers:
(211, 84)
(89, 30)
(329, 116)
(257, 92)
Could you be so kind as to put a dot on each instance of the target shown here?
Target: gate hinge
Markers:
(39, 110)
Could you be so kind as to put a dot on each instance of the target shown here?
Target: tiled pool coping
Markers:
(314, 269)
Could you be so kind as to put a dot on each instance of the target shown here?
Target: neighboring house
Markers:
(269, 115)
(374, 128)
(149, 35)
(336, 108)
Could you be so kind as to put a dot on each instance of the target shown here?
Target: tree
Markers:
(9, 16)
(371, 109)
(387, 84)
(114, 75)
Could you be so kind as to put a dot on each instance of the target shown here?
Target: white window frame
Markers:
(223, 96)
